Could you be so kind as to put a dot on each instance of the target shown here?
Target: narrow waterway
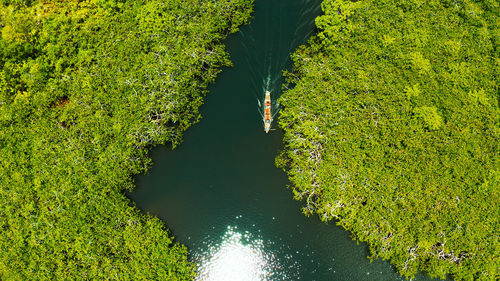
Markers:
(219, 191)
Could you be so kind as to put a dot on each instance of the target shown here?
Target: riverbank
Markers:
(391, 130)
(86, 88)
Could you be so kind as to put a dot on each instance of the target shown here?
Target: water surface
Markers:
(219, 191)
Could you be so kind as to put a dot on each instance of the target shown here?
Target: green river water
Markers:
(219, 191)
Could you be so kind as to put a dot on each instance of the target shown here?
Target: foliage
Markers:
(86, 87)
(392, 130)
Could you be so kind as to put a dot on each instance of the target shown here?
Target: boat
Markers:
(267, 112)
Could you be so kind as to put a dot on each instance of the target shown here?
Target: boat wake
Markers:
(268, 53)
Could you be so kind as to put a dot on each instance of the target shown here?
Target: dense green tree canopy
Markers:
(85, 88)
(392, 129)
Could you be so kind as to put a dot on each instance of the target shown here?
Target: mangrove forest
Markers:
(386, 132)
(392, 130)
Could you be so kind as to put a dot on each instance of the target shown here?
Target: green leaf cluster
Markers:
(86, 88)
(392, 130)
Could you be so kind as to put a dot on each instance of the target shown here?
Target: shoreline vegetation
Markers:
(392, 130)
(86, 88)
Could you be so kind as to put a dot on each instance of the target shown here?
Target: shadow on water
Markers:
(219, 191)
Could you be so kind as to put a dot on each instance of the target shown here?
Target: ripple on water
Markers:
(239, 256)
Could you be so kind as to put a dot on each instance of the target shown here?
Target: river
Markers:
(219, 191)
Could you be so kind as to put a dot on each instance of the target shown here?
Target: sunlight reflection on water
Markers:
(239, 257)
